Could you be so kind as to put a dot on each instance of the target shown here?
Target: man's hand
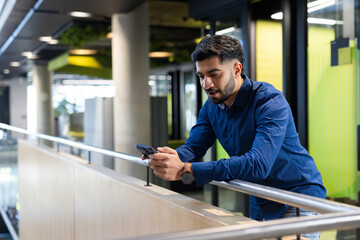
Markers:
(167, 164)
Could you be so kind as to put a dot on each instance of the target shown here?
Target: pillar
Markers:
(42, 83)
(130, 64)
(295, 79)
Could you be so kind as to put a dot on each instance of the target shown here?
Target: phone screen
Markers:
(145, 149)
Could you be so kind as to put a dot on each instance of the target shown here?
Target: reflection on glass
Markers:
(229, 28)
(9, 177)
(328, 13)
(331, 100)
(160, 85)
(190, 106)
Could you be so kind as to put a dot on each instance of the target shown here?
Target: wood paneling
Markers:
(46, 194)
(62, 197)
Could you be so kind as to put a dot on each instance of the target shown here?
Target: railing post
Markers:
(89, 157)
(214, 189)
(214, 195)
(58, 147)
(298, 215)
(247, 206)
(147, 176)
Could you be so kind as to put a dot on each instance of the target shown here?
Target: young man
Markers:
(254, 124)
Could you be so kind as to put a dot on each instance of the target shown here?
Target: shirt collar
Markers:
(242, 96)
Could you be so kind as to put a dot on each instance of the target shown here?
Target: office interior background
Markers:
(114, 73)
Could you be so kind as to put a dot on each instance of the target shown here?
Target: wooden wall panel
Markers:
(45, 194)
(62, 197)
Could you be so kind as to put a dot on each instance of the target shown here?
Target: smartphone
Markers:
(145, 149)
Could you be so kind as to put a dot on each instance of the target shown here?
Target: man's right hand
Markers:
(166, 164)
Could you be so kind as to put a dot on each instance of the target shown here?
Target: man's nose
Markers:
(207, 83)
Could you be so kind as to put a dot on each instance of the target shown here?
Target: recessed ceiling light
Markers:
(83, 51)
(324, 21)
(319, 4)
(312, 7)
(53, 41)
(29, 55)
(45, 38)
(48, 39)
(25, 54)
(14, 64)
(225, 31)
(161, 54)
(6, 71)
(109, 35)
(80, 14)
(277, 16)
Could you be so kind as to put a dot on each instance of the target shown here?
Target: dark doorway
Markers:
(4, 105)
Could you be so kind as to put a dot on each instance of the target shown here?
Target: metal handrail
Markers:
(289, 198)
(266, 229)
(79, 145)
(8, 224)
(274, 194)
(339, 216)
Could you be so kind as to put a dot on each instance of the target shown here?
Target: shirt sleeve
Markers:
(200, 140)
(271, 117)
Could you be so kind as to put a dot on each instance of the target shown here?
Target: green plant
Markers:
(65, 108)
(76, 36)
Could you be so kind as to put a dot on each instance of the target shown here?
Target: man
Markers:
(254, 124)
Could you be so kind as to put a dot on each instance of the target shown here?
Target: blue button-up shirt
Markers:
(259, 134)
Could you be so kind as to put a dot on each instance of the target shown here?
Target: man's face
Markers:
(216, 79)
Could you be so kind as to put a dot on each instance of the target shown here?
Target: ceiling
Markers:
(22, 22)
(27, 20)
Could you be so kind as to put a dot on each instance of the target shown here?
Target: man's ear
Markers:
(237, 68)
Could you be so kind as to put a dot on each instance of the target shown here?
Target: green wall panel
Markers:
(332, 116)
(269, 55)
(220, 151)
(96, 66)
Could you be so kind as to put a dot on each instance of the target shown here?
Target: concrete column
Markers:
(18, 106)
(130, 64)
(42, 83)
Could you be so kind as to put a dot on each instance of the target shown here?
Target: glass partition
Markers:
(8, 182)
(190, 101)
(333, 61)
(332, 96)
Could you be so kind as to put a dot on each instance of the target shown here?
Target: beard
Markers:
(225, 93)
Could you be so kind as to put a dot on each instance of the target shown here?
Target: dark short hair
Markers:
(223, 46)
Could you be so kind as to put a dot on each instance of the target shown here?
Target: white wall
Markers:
(18, 98)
